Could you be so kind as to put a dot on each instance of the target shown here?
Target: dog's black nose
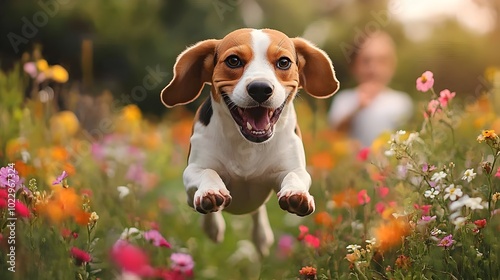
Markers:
(260, 91)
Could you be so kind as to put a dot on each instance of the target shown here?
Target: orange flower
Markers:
(59, 153)
(489, 134)
(347, 198)
(24, 169)
(322, 161)
(324, 219)
(389, 234)
(64, 203)
(308, 271)
(181, 132)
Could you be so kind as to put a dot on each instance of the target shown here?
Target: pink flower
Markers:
(311, 240)
(285, 245)
(380, 207)
(61, 177)
(79, 255)
(446, 241)
(363, 154)
(21, 209)
(156, 238)
(131, 259)
(30, 69)
(432, 108)
(383, 191)
(424, 208)
(498, 173)
(182, 262)
(445, 96)
(363, 197)
(425, 82)
(303, 231)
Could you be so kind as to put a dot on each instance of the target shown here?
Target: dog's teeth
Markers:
(268, 126)
(249, 126)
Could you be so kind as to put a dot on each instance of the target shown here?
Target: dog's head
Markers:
(255, 73)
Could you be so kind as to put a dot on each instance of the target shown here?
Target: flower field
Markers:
(109, 203)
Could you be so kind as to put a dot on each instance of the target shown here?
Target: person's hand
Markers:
(367, 93)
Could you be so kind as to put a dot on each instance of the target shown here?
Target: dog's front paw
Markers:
(296, 202)
(212, 200)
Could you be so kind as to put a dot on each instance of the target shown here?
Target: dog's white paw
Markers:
(297, 202)
(211, 200)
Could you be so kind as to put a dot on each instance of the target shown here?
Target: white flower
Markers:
(474, 203)
(469, 175)
(401, 132)
(478, 254)
(453, 192)
(353, 247)
(459, 222)
(436, 231)
(123, 190)
(438, 176)
(372, 241)
(131, 233)
(431, 193)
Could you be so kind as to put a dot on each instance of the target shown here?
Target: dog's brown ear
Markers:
(316, 73)
(193, 68)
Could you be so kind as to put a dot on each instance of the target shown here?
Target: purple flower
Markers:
(9, 177)
(61, 177)
(156, 237)
(446, 242)
(182, 262)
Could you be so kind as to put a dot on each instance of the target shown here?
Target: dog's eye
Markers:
(233, 61)
(284, 63)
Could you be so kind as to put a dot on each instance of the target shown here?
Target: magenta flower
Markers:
(131, 259)
(498, 173)
(445, 96)
(311, 240)
(446, 242)
(380, 207)
(363, 154)
(156, 238)
(80, 256)
(182, 262)
(425, 82)
(363, 197)
(303, 231)
(21, 209)
(383, 191)
(61, 177)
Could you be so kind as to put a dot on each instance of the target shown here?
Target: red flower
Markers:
(80, 256)
(303, 231)
(363, 154)
(383, 191)
(131, 259)
(21, 209)
(480, 223)
(363, 197)
(311, 240)
(65, 233)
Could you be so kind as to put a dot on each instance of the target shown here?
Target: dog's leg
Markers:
(206, 191)
(214, 226)
(262, 233)
(294, 194)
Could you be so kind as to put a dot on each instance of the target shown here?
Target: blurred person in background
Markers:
(371, 108)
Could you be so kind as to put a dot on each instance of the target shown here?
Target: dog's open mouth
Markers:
(256, 123)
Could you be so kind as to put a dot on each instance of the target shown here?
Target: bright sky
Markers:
(419, 16)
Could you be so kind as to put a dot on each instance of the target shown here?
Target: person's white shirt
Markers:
(387, 112)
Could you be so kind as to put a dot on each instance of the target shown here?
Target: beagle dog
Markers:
(246, 142)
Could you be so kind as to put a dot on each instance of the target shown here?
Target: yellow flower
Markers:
(64, 125)
(42, 65)
(57, 73)
(131, 113)
(489, 134)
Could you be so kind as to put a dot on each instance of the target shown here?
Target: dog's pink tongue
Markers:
(257, 117)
